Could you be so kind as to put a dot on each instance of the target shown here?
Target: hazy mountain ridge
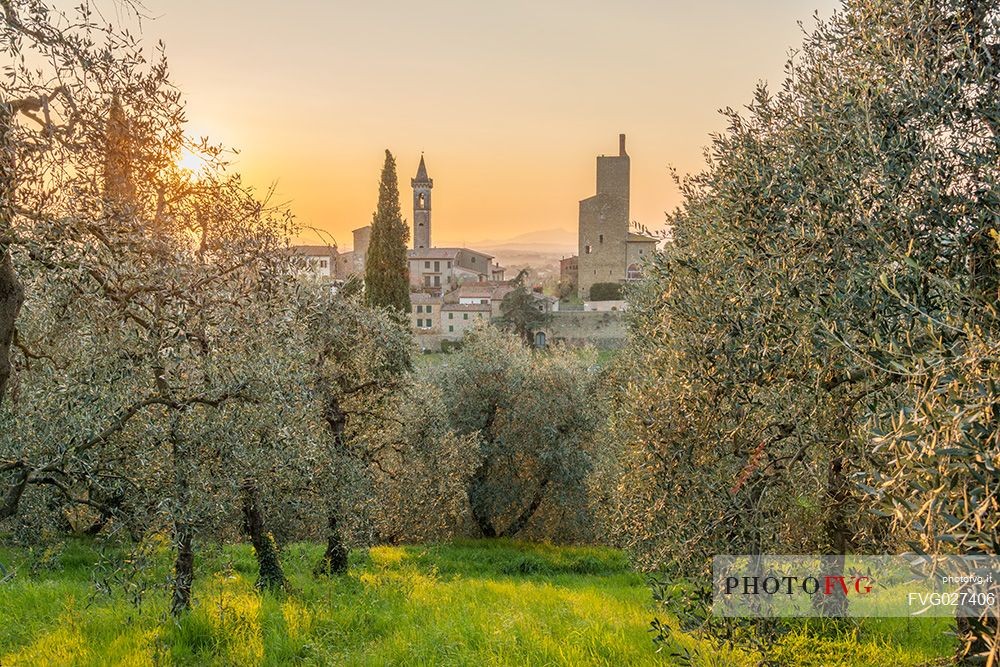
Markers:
(544, 241)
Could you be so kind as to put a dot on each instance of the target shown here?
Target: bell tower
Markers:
(421, 185)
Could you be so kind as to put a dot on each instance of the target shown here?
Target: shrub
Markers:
(605, 292)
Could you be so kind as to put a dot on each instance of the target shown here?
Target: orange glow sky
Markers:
(510, 101)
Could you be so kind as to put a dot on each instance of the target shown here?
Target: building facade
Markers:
(317, 262)
(569, 275)
(608, 251)
(441, 269)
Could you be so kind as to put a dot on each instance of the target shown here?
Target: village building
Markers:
(455, 288)
(441, 269)
(480, 293)
(317, 262)
(425, 312)
(608, 251)
(447, 268)
(457, 318)
(569, 275)
(352, 262)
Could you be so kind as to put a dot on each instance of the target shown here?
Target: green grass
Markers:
(466, 603)
(430, 359)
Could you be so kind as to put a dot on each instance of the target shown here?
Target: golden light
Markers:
(192, 162)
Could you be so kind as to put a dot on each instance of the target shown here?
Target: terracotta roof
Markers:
(423, 297)
(474, 292)
(484, 307)
(314, 250)
(433, 253)
(484, 283)
(442, 253)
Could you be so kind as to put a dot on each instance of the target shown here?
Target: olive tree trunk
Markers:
(11, 292)
(519, 523)
(334, 560)
(183, 568)
(183, 529)
(479, 501)
(271, 576)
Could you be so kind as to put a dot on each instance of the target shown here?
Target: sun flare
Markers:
(192, 162)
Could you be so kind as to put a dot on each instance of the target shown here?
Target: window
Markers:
(427, 265)
(322, 263)
(420, 309)
(420, 323)
(484, 301)
(437, 281)
(587, 249)
(449, 264)
(451, 328)
(421, 200)
(451, 316)
(600, 238)
(437, 266)
(465, 316)
(429, 309)
(427, 281)
(640, 251)
(473, 260)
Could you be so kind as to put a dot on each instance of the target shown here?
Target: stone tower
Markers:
(604, 222)
(421, 185)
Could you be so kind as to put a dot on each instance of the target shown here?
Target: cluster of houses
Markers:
(453, 289)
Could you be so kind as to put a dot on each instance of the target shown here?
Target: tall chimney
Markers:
(621, 145)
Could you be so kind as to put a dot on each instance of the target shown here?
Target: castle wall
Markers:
(605, 330)
(603, 242)
(604, 223)
(613, 178)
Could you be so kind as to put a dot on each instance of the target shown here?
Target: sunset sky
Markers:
(510, 102)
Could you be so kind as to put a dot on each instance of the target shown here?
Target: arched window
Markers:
(634, 272)
(540, 339)
(420, 201)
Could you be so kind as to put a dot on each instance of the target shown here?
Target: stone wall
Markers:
(603, 242)
(600, 329)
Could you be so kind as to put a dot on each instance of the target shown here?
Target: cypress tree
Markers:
(387, 282)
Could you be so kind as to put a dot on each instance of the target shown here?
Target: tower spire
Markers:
(421, 185)
(421, 176)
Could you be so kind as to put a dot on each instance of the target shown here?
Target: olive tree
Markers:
(819, 299)
(534, 415)
(150, 294)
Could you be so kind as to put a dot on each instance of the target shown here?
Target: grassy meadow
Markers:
(466, 603)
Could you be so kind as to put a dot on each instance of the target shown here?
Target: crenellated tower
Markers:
(604, 224)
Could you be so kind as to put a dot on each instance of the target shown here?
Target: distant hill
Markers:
(547, 241)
